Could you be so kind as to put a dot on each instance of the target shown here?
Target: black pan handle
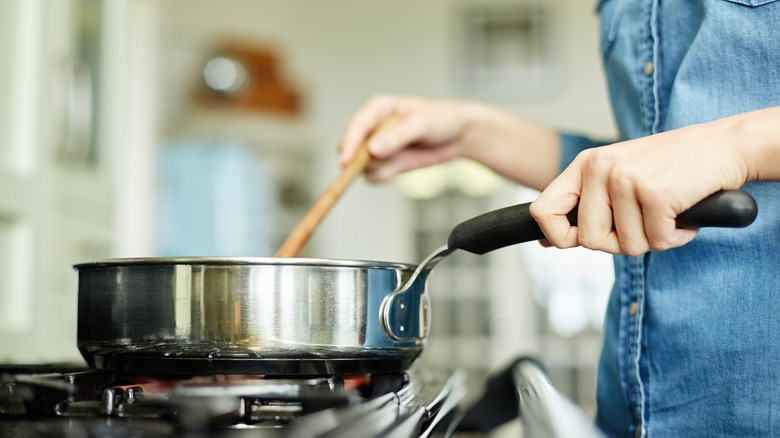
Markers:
(513, 225)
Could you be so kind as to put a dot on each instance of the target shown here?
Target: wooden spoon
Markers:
(300, 235)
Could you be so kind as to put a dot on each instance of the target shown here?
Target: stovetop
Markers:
(73, 401)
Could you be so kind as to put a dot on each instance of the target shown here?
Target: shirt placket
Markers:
(635, 298)
(647, 68)
(635, 371)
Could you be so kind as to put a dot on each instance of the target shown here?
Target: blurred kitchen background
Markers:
(135, 128)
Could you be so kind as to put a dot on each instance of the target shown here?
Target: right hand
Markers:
(427, 132)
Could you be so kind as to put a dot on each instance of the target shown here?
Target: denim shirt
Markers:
(692, 334)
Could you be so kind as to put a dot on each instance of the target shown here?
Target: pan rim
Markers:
(243, 261)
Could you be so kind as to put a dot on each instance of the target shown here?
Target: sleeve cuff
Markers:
(572, 145)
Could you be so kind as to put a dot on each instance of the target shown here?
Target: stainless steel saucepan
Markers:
(291, 316)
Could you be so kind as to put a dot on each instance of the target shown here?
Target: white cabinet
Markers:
(61, 137)
(18, 228)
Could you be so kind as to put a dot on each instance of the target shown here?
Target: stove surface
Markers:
(73, 401)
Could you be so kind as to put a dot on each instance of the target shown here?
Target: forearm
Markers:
(515, 148)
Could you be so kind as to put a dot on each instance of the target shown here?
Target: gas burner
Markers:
(53, 401)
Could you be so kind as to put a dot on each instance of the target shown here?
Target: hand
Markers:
(427, 132)
(630, 193)
(434, 131)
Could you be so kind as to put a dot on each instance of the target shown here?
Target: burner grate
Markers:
(44, 402)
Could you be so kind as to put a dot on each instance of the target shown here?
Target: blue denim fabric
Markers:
(692, 334)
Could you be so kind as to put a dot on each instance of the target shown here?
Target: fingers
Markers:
(660, 229)
(595, 218)
(406, 131)
(367, 119)
(644, 213)
(407, 159)
(630, 235)
(550, 208)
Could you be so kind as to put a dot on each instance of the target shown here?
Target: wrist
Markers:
(757, 137)
(476, 129)
(513, 147)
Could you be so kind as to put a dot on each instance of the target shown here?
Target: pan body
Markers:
(270, 316)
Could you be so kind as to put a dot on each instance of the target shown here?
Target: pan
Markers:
(292, 316)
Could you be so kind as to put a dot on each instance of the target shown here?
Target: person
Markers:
(692, 332)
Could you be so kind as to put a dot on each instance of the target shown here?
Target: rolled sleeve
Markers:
(573, 144)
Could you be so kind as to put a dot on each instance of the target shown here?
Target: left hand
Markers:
(630, 193)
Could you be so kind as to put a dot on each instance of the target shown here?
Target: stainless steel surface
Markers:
(223, 310)
(546, 413)
(399, 310)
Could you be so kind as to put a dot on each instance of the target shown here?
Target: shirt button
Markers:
(633, 308)
(649, 68)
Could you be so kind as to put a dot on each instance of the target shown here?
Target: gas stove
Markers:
(73, 401)
(53, 401)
